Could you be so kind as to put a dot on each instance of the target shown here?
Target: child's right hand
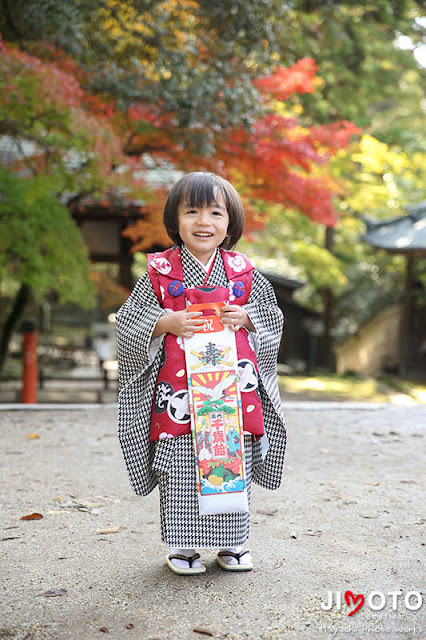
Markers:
(185, 323)
(180, 323)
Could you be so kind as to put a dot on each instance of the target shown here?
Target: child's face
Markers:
(202, 229)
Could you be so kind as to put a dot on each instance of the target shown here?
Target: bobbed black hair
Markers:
(199, 189)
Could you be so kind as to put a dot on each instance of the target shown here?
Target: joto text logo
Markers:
(376, 600)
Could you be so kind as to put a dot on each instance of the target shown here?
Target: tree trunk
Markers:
(405, 327)
(328, 308)
(22, 299)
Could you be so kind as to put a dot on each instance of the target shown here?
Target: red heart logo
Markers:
(351, 599)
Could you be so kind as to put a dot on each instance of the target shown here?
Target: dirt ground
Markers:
(349, 519)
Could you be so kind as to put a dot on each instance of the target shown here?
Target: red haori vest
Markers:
(170, 407)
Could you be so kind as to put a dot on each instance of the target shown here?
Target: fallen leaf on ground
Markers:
(52, 593)
(313, 533)
(32, 516)
(129, 626)
(58, 512)
(369, 516)
(33, 436)
(104, 629)
(112, 530)
(373, 484)
(10, 538)
(278, 564)
(75, 505)
(91, 505)
(267, 512)
(202, 630)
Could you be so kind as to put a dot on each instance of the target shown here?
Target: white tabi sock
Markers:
(244, 560)
(181, 564)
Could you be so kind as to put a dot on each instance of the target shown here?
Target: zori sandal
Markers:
(233, 567)
(190, 571)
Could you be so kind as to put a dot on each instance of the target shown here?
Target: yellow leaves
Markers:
(297, 110)
(318, 82)
(380, 179)
(322, 267)
(411, 77)
(376, 157)
(297, 133)
(133, 30)
(178, 6)
(281, 108)
(352, 225)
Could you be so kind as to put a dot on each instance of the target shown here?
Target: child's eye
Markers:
(192, 211)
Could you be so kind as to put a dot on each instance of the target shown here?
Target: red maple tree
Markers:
(276, 159)
(279, 159)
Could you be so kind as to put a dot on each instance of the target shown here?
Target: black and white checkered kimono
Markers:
(170, 462)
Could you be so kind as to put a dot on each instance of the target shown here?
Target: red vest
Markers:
(170, 408)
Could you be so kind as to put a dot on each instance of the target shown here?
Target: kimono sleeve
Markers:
(135, 322)
(267, 318)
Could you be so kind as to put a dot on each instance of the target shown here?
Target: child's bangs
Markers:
(202, 191)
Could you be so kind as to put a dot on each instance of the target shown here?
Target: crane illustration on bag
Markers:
(216, 393)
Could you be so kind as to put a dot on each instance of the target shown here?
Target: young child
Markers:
(204, 217)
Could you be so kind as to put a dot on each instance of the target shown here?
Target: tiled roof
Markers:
(405, 234)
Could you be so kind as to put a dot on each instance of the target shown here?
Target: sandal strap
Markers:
(181, 556)
(237, 556)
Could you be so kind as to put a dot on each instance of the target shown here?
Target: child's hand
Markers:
(184, 323)
(235, 317)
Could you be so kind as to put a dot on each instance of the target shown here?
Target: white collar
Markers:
(206, 267)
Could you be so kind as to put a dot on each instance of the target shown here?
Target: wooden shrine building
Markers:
(406, 235)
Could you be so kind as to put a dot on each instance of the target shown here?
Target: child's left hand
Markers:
(235, 317)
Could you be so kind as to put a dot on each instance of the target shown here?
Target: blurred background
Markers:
(315, 111)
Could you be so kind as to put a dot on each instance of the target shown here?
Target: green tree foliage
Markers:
(366, 76)
(40, 245)
(354, 46)
(40, 248)
(381, 180)
(194, 60)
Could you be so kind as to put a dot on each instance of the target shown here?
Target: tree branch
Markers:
(11, 22)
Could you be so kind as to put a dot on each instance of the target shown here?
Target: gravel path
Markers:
(350, 516)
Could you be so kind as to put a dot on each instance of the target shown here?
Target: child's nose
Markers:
(203, 218)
